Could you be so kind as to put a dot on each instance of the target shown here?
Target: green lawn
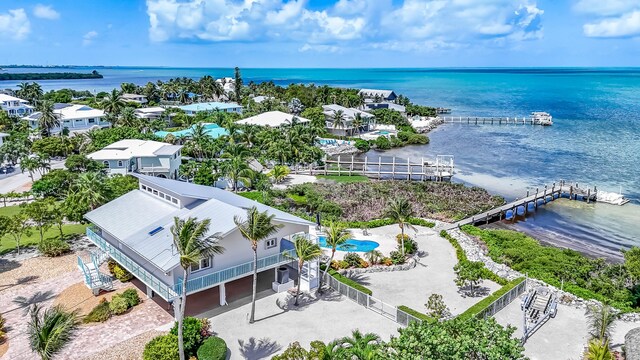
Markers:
(7, 243)
(344, 178)
(9, 210)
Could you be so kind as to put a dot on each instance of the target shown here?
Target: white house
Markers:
(75, 117)
(151, 113)
(15, 106)
(212, 106)
(228, 84)
(382, 95)
(346, 126)
(140, 156)
(274, 119)
(135, 231)
(135, 98)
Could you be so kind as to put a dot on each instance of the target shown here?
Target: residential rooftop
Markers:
(70, 112)
(130, 148)
(349, 113)
(272, 119)
(209, 106)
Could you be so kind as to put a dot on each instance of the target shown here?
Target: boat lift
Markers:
(538, 306)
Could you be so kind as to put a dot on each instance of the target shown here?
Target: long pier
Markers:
(442, 169)
(521, 207)
(479, 120)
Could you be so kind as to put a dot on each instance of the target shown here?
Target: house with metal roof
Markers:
(140, 156)
(273, 119)
(15, 106)
(211, 106)
(135, 231)
(150, 113)
(134, 98)
(379, 95)
(346, 121)
(73, 117)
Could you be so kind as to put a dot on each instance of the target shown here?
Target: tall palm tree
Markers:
(358, 122)
(49, 119)
(30, 164)
(400, 210)
(113, 102)
(90, 189)
(339, 119)
(128, 118)
(255, 228)
(235, 169)
(601, 321)
(306, 250)
(193, 244)
(336, 236)
(50, 330)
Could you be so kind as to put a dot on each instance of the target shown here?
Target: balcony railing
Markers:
(232, 273)
(160, 288)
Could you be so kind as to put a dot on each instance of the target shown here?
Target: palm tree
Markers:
(193, 244)
(113, 103)
(601, 321)
(399, 210)
(235, 169)
(598, 350)
(336, 237)
(30, 164)
(50, 330)
(255, 228)
(49, 119)
(306, 250)
(279, 173)
(339, 119)
(90, 189)
(360, 346)
(358, 122)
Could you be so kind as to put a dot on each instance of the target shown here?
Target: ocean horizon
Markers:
(594, 139)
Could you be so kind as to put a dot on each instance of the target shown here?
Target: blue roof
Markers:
(209, 106)
(213, 130)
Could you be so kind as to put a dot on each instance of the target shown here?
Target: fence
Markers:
(370, 302)
(504, 300)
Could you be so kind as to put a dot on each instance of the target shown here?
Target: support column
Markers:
(149, 292)
(176, 307)
(223, 294)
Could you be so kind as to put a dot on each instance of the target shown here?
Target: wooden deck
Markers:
(479, 120)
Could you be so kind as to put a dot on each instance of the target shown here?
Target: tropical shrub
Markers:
(53, 247)
(468, 273)
(410, 246)
(2, 332)
(387, 261)
(399, 238)
(363, 264)
(382, 143)
(49, 330)
(396, 257)
(353, 259)
(362, 145)
(163, 347)
(374, 257)
(194, 333)
(213, 348)
(436, 307)
(118, 305)
(118, 271)
(100, 313)
(132, 297)
(416, 314)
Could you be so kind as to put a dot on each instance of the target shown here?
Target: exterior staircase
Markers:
(93, 277)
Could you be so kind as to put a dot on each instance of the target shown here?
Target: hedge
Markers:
(416, 313)
(214, 348)
(384, 222)
(345, 280)
(484, 303)
(462, 256)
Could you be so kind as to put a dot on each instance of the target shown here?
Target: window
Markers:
(155, 192)
(144, 187)
(271, 243)
(175, 201)
(91, 121)
(120, 163)
(204, 263)
(106, 163)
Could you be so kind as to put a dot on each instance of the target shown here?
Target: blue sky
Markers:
(321, 33)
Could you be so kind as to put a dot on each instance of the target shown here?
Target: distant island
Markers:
(50, 76)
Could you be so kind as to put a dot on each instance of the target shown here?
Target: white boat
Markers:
(611, 198)
(542, 118)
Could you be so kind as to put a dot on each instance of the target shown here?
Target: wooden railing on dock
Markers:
(399, 169)
(478, 120)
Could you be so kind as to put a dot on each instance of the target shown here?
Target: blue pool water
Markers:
(352, 245)
(212, 130)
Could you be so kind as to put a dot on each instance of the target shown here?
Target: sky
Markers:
(321, 33)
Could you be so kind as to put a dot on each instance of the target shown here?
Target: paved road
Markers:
(19, 182)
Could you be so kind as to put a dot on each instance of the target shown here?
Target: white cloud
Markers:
(625, 25)
(610, 18)
(88, 38)
(14, 24)
(429, 24)
(45, 12)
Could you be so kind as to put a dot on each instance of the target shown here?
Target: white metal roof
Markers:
(131, 217)
(5, 97)
(374, 92)
(129, 148)
(153, 109)
(349, 113)
(272, 119)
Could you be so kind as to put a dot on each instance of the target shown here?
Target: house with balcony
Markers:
(345, 121)
(74, 117)
(135, 231)
(210, 107)
(140, 156)
(134, 98)
(15, 106)
(273, 119)
(378, 95)
(150, 113)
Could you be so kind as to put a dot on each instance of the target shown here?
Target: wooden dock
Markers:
(521, 207)
(442, 169)
(479, 120)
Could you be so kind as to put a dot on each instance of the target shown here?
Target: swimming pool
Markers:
(352, 245)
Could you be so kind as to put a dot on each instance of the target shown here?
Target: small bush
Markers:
(214, 348)
(118, 305)
(100, 313)
(119, 272)
(353, 259)
(132, 297)
(343, 264)
(192, 330)
(386, 261)
(484, 303)
(399, 238)
(410, 246)
(416, 314)
(362, 145)
(383, 143)
(396, 258)
(363, 264)
(164, 347)
(53, 247)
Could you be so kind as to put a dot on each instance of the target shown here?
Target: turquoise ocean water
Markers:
(595, 139)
